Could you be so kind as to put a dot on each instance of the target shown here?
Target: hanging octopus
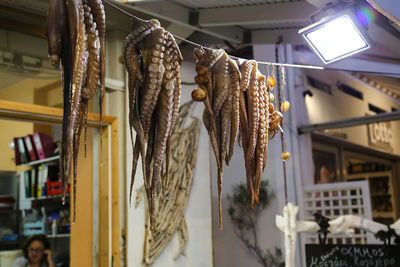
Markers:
(259, 123)
(254, 125)
(76, 38)
(237, 101)
(152, 60)
(218, 78)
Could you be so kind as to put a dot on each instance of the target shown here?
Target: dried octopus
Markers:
(76, 39)
(259, 122)
(171, 201)
(236, 96)
(218, 78)
(152, 59)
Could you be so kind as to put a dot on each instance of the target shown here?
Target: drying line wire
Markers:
(115, 6)
(301, 66)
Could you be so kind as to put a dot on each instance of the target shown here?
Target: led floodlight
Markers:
(335, 38)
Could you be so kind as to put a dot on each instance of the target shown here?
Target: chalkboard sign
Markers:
(352, 256)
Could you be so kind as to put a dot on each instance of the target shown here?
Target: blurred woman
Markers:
(37, 253)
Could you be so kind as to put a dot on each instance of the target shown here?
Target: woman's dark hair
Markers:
(40, 238)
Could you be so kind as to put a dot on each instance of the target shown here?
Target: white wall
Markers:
(198, 251)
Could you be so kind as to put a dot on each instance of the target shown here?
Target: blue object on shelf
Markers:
(11, 237)
(34, 228)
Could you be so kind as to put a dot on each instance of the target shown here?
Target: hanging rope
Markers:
(280, 88)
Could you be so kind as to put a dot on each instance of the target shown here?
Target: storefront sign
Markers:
(352, 255)
(380, 135)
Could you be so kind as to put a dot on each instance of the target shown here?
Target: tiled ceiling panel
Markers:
(228, 3)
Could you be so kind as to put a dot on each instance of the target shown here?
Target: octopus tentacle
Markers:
(141, 30)
(73, 10)
(76, 139)
(266, 108)
(262, 135)
(246, 69)
(85, 120)
(225, 118)
(93, 41)
(220, 83)
(253, 101)
(164, 117)
(205, 60)
(99, 17)
(69, 60)
(93, 73)
(235, 90)
(56, 29)
(78, 105)
(131, 61)
(155, 70)
(164, 121)
(149, 157)
(244, 132)
(172, 64)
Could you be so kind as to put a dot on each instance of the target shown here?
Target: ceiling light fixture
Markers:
(335, 38)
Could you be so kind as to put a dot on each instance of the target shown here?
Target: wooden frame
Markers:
(109, 234)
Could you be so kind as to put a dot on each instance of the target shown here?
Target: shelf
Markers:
(385, 214)
(58, 236)
(381, 195)
(9, 242)
(54, 158)
(8, 211)
(367, 174)
(46, 197)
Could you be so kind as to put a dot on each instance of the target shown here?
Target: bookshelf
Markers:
(40, 199)
(46, 160)
(58, 236)
(108, 231)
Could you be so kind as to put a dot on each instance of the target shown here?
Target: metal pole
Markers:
(389, 116)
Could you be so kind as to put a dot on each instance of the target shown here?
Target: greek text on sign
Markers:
(352, 256)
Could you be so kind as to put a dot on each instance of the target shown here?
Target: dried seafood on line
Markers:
(76, 38)
(152, 59)
(218, 78)
(258, 123)
(171, 201)
(236, 94)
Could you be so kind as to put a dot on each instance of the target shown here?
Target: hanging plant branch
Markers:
(245, 222)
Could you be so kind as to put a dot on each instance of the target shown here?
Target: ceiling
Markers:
(232, 24)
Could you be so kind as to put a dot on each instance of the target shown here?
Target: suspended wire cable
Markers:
(301, 66)
(115, 6)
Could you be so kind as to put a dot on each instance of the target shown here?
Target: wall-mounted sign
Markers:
(352, 255)
(380, 135)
